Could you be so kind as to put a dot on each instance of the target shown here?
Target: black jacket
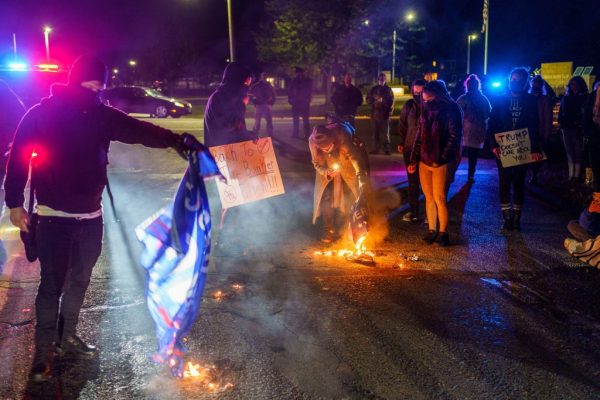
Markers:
(408, 124)
(346, 100)
(300, 92)
(570, 114)
(381, 110)
(510, 113)
(439, 135)
(225, 114)
(70, 132)
(262, 93)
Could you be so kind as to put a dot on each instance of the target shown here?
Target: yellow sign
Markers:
(557, 74)
(251, 171)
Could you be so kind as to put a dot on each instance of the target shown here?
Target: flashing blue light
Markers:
(496, 84)
(17, 66)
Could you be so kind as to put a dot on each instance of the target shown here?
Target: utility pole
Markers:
(393, 56)
(230, 24)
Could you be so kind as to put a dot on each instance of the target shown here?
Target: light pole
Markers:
(47, 31)
(469, 38)
(409, 17)
(230, 24)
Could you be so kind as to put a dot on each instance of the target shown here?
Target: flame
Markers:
(205, 376)
(359, 251)
(237, 286)
(335, 166)
(218, 295)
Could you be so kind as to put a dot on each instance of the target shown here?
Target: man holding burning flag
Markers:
(339, 157)
(66, 139)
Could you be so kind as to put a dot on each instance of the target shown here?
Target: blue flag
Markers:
(176, 250)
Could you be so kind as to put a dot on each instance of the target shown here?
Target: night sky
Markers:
(523, 32)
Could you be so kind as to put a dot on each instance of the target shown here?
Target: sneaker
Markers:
(444, 239)
(73, 345)
(40, 372)
(409, 217)
(430, 237)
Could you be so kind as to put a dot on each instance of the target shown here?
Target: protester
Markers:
(339, 158)
(70, 132)
(587, 226)
(570, 120)
(539, 90)
(225, 114)
(408, 126)
(11, 111)
(591, 117)
(346, 99)
(299, 96)
(516, 109)
(381, 100)
(262, 95)
(436, 148)
(476, 110)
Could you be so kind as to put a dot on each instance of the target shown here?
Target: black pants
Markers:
(472, 154)
(301, 111)
(68, 250)
(413, 186)
(381, 134)
(512, 178)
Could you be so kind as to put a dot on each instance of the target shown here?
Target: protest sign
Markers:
(251, 171)
(515, 147)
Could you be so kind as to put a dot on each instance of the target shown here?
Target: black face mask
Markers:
(517, 86)
(432, 105)
(417, 98)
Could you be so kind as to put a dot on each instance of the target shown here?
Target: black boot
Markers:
(517, 220)
(444, 240)
(430, 237)
(74, 346)
(41, 371)
(507, 215)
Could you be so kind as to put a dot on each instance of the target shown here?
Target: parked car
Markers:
(143, 100)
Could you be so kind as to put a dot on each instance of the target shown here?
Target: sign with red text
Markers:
(515, 147)
(251, 171)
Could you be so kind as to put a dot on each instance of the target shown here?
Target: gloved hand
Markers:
(187, 144)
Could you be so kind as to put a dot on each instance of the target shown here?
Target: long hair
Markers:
(580, 81)
(438, 89)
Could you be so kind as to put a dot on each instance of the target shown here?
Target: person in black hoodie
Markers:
(517, 109)
(225, 114)
(436, 151)
(66, 137)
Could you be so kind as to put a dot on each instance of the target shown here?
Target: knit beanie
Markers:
(88, 68)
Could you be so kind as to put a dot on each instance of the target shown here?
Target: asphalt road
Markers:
(494, 316)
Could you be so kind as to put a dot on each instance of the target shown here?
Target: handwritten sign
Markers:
(515, 147)
(251, 170)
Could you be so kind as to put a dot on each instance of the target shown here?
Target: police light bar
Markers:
(47, 67)
(17, 66)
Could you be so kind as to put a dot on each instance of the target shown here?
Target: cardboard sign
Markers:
(515, 147)
(251, 170)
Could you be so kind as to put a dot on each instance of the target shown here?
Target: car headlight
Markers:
(178, 104)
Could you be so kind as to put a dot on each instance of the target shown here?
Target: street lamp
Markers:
(47, 31)
(230, 25)
(132, 63)
(409, 17)
(469, 39)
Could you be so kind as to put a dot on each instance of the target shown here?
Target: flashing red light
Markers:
(34, 154)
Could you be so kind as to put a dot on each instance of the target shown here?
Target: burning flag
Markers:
(177, 247)
(359, 220)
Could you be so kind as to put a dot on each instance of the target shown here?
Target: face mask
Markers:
(431, 105)
(417, 98)
(516, 86)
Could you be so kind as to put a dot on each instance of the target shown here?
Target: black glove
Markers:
(187, 144)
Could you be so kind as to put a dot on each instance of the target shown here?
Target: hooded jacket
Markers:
(346, 100)
(70, 133)
(225, 114)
